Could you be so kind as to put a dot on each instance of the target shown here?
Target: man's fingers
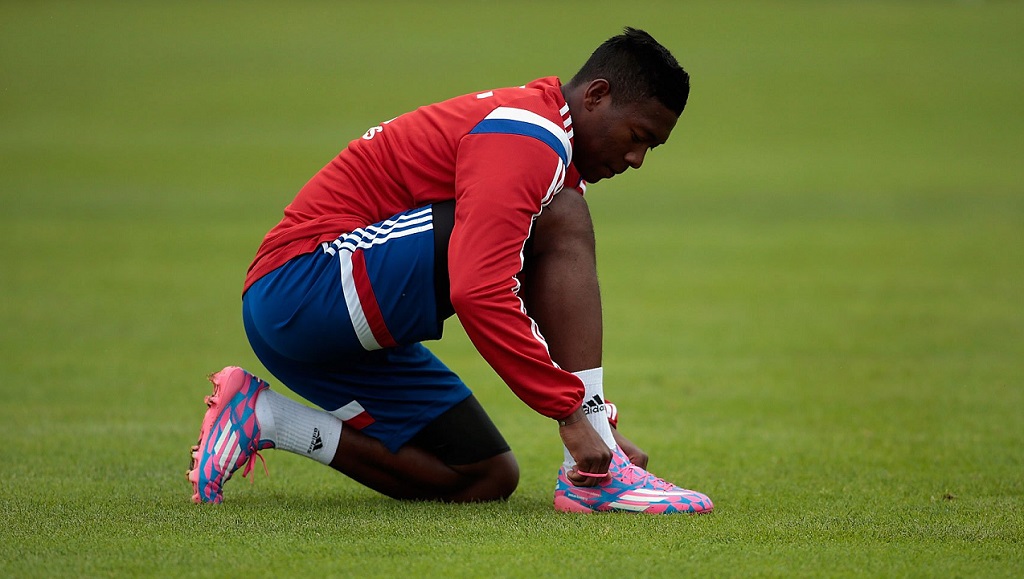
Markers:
(581, 481)
(585, 478)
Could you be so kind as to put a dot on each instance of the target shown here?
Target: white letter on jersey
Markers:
(374, 130)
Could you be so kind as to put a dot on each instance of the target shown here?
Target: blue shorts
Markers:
(342, 327)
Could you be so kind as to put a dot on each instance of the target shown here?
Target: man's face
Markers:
(610, 138)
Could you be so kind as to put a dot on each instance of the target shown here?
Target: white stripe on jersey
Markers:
(566, 121)
(523, 115)
(557, 184)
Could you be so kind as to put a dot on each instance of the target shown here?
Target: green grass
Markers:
(813, 292)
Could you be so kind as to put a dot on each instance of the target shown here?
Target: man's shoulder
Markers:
(542, 97)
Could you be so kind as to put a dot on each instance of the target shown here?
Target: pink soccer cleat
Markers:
(629, 488)
(230, 436)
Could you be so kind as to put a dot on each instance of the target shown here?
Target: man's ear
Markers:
(597, 91)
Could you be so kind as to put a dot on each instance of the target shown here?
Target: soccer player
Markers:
(473, 206)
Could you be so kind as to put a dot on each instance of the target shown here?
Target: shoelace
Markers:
(632, 474)
(249, 466)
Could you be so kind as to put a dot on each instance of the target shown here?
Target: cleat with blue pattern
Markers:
(629, 488)
(230, 435)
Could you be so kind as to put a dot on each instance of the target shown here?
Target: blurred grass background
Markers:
(813, 292)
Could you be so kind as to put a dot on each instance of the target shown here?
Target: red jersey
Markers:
(501, 155)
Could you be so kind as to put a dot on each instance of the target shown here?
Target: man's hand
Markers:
(586, 446)
(635, 454)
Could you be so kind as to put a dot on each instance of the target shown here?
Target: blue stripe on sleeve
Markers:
(513, 127)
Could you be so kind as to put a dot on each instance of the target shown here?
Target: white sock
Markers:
(297, 428)
(594, 409)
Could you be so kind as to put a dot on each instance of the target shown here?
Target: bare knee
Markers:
(564, 226)
(494, 479)
(504, 476)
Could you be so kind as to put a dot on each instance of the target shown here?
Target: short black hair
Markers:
(637, 67)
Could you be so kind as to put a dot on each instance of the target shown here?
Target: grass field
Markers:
(813, 293)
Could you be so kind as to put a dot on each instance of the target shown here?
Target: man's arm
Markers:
(502, 183)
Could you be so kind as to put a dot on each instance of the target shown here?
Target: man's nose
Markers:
(635, 158)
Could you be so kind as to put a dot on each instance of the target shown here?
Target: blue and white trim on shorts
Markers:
(411, 223)
(364, 311)
(341, 326)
